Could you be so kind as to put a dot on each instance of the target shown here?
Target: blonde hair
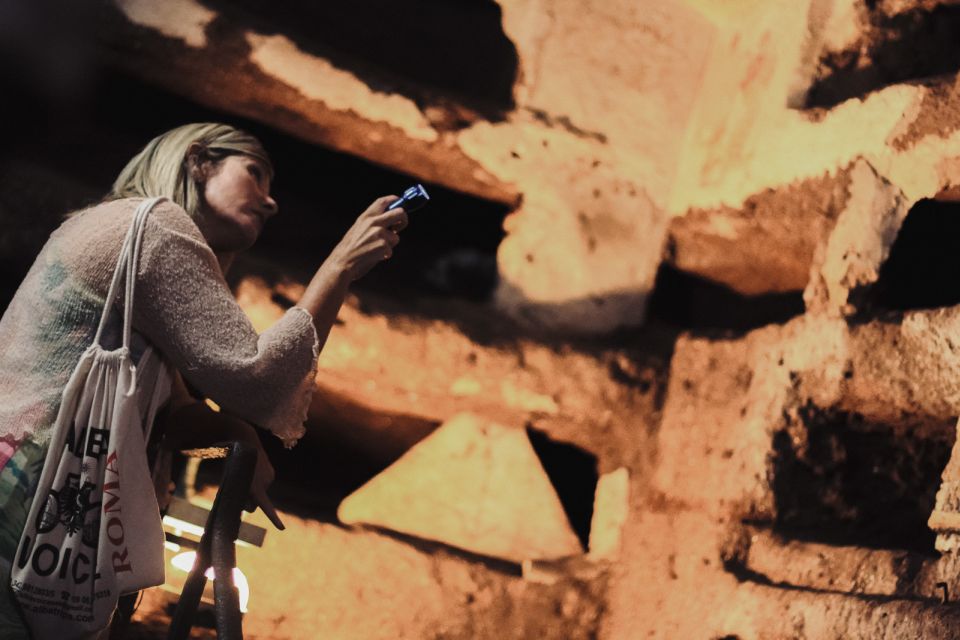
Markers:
(161, 168)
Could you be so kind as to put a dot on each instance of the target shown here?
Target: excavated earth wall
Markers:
(780, 482)
(798, 466)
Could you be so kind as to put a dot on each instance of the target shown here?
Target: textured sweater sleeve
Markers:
(185, 308)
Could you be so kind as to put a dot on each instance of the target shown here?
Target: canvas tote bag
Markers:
(94, 532)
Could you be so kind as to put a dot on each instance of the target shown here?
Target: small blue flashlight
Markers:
(413, 198)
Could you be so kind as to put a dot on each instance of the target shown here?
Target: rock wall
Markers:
(797, 466)
(780, 481)
(624, 119)
(586, 153)
(762, 137)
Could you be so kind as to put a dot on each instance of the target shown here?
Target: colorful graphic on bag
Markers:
(71, 507)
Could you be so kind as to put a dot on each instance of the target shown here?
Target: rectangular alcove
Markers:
(852, 497)
(840, 478)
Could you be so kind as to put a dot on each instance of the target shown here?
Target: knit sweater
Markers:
(182, 306)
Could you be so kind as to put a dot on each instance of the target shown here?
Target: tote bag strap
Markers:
(126, 269)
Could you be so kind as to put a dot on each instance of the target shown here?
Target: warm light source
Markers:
(185, 561)
(182, 526)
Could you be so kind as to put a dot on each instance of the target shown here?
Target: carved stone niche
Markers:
(859, 506)
(886, 254)
(851, 500)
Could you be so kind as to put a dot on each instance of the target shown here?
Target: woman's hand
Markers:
(370, 240)
(263, 477)
(193, 425)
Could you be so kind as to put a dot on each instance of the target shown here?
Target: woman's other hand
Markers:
(370, 240)
(195, 425)
(263, 477)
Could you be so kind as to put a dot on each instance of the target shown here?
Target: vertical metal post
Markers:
(217, 549)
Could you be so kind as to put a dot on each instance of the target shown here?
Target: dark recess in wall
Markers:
(689, 302)
(923, 268)
(456, 48)
(841, 479)
(573, 473)
(914, 45)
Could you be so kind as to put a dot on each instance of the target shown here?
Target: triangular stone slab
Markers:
(471, 484)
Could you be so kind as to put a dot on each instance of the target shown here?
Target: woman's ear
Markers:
(197, 162)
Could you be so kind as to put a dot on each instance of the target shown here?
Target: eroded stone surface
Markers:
(355, 584)
(858, 244)
(764, 141)
(730, 404)
(582, 251)
(910, 368)
(727, 403)
(399, 371)
(767, 244)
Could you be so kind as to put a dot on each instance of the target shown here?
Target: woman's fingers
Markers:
(395, 219)
(372, 237)
(380, 205)
(268, 509)
(390, 237)
(259, 498)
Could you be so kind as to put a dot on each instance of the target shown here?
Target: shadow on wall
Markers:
(332, 462)
(679, 300)
(602, 313)
(704, 307)
(840, 479)
(921, 270)
(456, 48)
(913, 45)
(316, 475)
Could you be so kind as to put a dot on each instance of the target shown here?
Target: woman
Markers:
(217, 180)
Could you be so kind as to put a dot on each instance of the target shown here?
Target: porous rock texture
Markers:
(784, 482)
(755, 144)
(752, 431)
(590, 176)
(798, 466)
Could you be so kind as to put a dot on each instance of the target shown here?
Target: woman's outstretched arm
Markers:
(369, 241)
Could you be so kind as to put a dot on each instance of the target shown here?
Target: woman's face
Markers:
(237, 203)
